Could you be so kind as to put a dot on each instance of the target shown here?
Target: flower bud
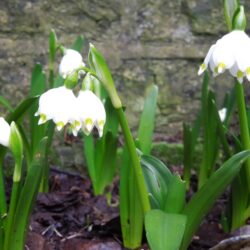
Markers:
(71, 61)
(72, 80)
(239, 19)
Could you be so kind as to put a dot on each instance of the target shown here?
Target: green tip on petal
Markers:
(248, 73)
(89, 124)
(42, 119)
(202, 68)
(220, 68)
(100, 126)
(59, 126)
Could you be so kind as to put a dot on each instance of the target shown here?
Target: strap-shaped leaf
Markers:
(164, 230)
(37, 87)
(21, 109)
(6, 104)
(203, 200)
(146, 127)
(131, 213)
(26, 200)
(175, 200)
(157, 177)
(52, 45)
(78, 44)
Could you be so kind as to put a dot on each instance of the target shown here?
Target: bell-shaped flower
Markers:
(231, 52)
(4, 132)
(58, 104)
(71, 61)
(91, 112)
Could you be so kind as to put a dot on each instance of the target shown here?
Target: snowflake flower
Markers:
(231, 52)
(59, 104)
(91, 112)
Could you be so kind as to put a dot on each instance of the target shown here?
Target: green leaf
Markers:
(27, 199)
(164, 231)
(239, 201)
(37, 87)
(78, 44)
(203, 200)
(112, 120)
(38, 81)
(99, 66)
(187, 152)
(21, 109)
(58, 81)
(211, 142)
(157, 177)
(230, 6)
(6, 104)
(229, 103)
(52, 46)
(131, 213)
(146, 127)
(175, 200)
(106, 167)
(89, 153)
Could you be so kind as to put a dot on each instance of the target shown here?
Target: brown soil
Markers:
(69, 217)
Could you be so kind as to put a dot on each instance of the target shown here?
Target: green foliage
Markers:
(37, 87)
(78, 43)
(230, 6)
(131, 213)
(202, 201)
(28, 194)
(52, 48)
(99, 66)
(164, 231)
(100, 154)
(146, 126)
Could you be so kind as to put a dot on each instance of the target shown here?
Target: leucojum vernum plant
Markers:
(81, 97)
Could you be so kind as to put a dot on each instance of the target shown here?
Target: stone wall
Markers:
(144, 41)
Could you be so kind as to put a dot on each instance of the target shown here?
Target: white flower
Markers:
(222, 114)
(71, 61)
(91, 112)
(59, 104)
(231, 52)
(4, 132)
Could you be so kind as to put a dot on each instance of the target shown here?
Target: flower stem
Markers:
(244, 130)
(135, 161)
(3, 206)
(11, 213)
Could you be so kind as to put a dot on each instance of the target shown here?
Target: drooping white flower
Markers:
(4, 132)
(59, 104)
(91, 112)
(222, 114)
(71, 61)
(231, 52)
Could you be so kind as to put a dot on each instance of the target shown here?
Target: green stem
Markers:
(3, 206)
(244, 130)
(51, 77)
(135, 161)
(11, 214)
(44, 185)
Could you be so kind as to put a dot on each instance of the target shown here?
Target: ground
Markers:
(69, 217)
